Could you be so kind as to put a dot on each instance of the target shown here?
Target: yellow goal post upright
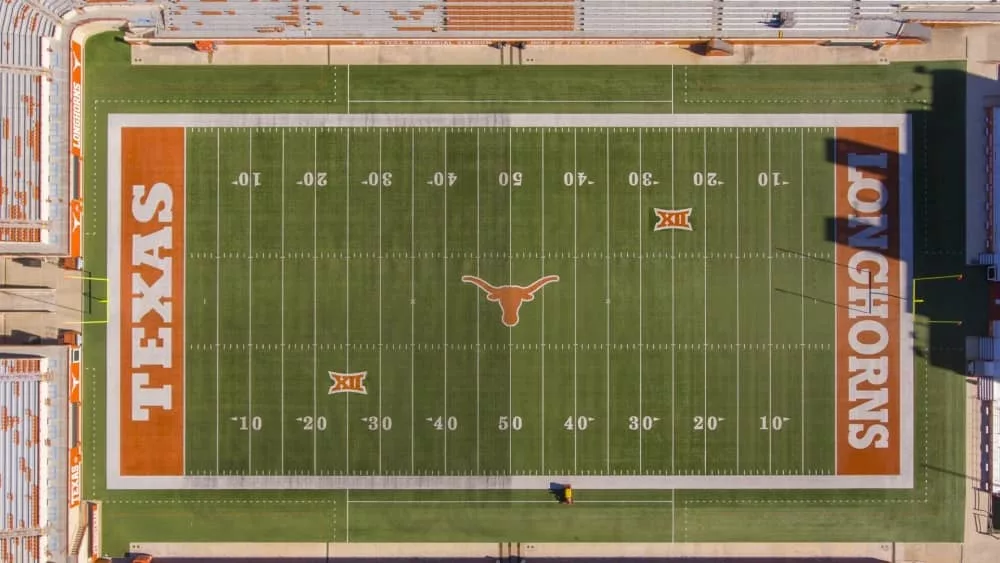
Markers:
(88, 292)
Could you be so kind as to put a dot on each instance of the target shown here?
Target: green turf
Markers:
(690, 343)
(933, 93)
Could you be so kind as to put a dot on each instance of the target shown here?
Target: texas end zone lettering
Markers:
(868, 316)
(152, 310)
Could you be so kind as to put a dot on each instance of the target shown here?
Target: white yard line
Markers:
(380, 372)
(478, 343)
(315, 314)
(834, 274)
(705, 297)
(413, 298)
(738, 284)
(250, 314)
(673, 319)
(672, 98)
(607, 298)
(349, 102)
(639, 189)
(282, 330)
(802, 299)
(541, 398)
(459, 101)
(347, 303)
(444, 230)
(218, 275)
(576, 182)
(510, 281)
(770, 312)
(473, 502)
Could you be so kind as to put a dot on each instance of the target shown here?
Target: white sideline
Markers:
(116, 481)
(117, 120)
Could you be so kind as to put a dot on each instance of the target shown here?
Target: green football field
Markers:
(737, 326)
(313, 251)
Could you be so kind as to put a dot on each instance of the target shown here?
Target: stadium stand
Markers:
(23, 455)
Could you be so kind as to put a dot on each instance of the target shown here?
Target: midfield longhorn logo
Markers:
(510, 297)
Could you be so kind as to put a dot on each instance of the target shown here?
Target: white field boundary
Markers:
(115, 480)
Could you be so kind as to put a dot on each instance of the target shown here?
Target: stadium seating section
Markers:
(21, 458)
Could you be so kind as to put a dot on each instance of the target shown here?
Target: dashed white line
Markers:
(249, 428)
(444, 230)
(380, 372)
(641, 229)
(218, 275)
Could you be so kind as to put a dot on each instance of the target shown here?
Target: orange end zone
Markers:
(152, 301)
(870, 273)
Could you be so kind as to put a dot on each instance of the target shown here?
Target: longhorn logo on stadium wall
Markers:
(510, 297)
(348, 382)
(676, 219)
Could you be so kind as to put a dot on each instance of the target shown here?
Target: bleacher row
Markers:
(23, 26)
(526, 18)
(21, 453)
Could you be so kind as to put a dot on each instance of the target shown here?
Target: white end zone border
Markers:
(905, 480)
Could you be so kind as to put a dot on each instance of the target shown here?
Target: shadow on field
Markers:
(948, 308)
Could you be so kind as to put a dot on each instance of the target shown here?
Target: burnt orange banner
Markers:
(76, 228)
(75, 475)
(74, 376)
(76, 99)
(868, 309)
(152, 301)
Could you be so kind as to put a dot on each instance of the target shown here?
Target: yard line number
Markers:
(510, 179)
(374, 179)
(771, 180)
(576, 179)
(310, 423)
(375, 423)
(707, 423)
(642, 179)
(579, 423)
(317, 180)
(442, 179)
(643, 423)
(510, 423)
(247, 180)
(449, 423)
(710, 179)
(252, 423)
(773, 423)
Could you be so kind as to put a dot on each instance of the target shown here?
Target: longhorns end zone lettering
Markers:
(868, 322)
(152, 301)
(510, 297)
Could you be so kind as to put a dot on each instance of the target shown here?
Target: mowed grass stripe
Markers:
(690, 294)
(756, 219)
(363, 300)
(526, 219)
(200, 302)
(785, 186)
(560, 378)
(455, 178)
(300, 302)
(265, 304)
(429, 276)
(394, 376)
(625, 298)
(234, 302)
(657, 304)
(819, 291)
(590, 289)
(721, 366)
